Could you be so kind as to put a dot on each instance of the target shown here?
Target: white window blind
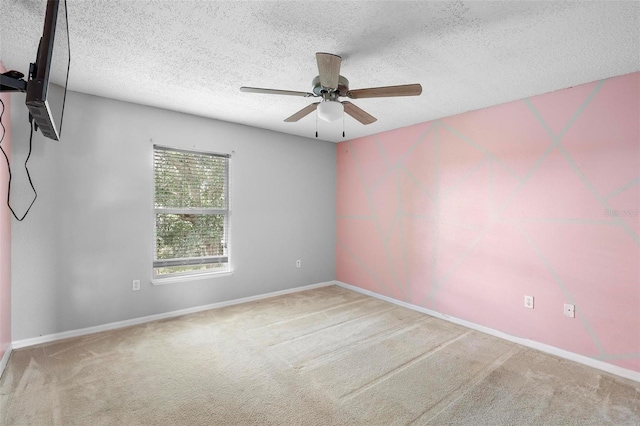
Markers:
(191, 212)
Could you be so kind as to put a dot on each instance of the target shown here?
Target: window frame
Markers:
(221, 259)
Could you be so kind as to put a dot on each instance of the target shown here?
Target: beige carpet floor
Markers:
(326, 356)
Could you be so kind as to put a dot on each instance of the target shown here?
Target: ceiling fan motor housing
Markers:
(327, 94)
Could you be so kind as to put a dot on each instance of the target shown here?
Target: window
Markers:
(191, 212)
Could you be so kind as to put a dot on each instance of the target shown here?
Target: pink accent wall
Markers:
(468, 214)
(5, 230)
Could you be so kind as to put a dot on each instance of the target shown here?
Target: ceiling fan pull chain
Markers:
(316, 125)
(343, 125)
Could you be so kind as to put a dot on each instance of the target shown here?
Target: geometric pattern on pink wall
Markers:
(467, 214)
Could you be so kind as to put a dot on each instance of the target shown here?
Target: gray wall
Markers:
(90, 231)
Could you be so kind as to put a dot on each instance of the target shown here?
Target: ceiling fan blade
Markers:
(302, 113)
(275, 91)
(384, 92)
(329, 69)
(358, 113)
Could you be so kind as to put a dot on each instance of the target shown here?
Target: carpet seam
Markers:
(402, 367)
(446, 403)
(293, 339)
(367, 341)
(308, 314)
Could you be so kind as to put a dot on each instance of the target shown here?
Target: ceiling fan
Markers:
(330, 85)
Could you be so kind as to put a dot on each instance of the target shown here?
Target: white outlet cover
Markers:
(528, 302)
(569, 310)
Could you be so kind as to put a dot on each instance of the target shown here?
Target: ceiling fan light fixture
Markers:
(330, 111)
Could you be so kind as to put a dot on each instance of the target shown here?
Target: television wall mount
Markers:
(13, 81)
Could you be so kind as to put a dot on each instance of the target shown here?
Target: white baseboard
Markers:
(17, 344)
(591, 362)
(5, 359)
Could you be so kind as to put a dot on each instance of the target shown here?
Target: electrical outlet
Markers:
(569, 310)
(298, 263)
(528, 302)
(136, 285)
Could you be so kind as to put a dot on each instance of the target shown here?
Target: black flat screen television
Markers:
(53, 57)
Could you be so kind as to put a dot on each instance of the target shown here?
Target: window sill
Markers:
(187, 278)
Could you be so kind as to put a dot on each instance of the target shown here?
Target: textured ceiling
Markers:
(193, 56)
